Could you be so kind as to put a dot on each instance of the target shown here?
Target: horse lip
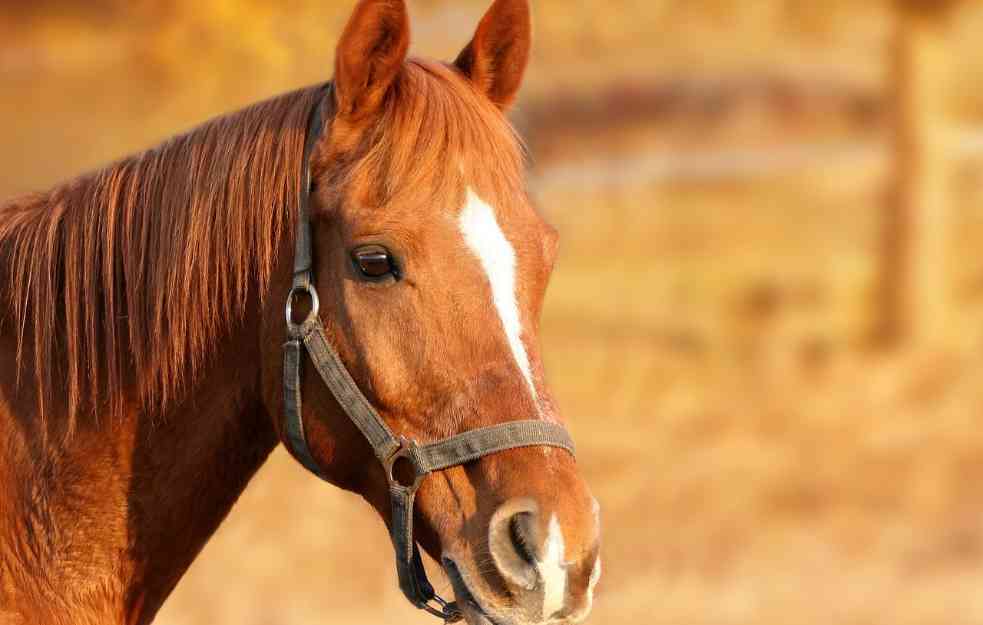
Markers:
(463, 594)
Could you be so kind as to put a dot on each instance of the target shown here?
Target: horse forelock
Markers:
(435, 136)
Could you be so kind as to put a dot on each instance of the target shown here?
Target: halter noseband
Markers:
(389, 449)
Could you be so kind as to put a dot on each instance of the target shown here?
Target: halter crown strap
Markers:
(388, 448)
(303, 266)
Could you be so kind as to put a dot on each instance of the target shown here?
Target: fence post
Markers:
(915, 280)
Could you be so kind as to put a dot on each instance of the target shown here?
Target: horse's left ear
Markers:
(497, 56)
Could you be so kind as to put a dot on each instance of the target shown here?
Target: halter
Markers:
(389, 449)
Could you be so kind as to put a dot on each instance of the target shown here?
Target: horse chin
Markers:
(471, 607)
(477, 618)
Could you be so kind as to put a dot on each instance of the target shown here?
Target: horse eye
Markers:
(374, 261)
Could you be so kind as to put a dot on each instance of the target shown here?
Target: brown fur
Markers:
(140, 371)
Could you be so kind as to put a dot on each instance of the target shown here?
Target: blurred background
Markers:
(765, 327)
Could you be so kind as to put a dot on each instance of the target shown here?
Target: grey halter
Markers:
(389, 449)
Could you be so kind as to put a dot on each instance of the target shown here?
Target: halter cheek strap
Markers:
(389, 449)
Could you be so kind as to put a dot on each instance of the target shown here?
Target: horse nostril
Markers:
(522, 532)
(513, 542)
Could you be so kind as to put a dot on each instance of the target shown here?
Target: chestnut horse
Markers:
(141, 328)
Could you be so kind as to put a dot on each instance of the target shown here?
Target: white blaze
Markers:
(486, 240)
(552, 571)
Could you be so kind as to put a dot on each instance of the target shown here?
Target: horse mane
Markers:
(129, 274)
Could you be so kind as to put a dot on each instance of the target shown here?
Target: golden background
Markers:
(723, 174)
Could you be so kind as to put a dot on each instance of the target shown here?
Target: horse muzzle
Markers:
(532, 576)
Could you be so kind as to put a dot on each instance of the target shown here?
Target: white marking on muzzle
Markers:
(486, 240)
(595, 576)
(552, 570)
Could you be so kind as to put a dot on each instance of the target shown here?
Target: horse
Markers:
(144, 358)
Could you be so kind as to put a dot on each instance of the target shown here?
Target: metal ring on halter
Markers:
(448, 610)
(405, 451)
(315, 305)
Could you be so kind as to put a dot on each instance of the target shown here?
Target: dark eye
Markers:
(374, 262)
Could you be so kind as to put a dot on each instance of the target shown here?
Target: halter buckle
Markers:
(407, 451)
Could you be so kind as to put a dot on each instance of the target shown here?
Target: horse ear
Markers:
(497, 56)
(370, 55)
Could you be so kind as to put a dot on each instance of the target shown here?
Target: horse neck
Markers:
(103, 524)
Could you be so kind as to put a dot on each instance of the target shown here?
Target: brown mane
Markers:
(140, 266)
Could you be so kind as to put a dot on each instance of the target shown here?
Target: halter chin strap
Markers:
(389, 449)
